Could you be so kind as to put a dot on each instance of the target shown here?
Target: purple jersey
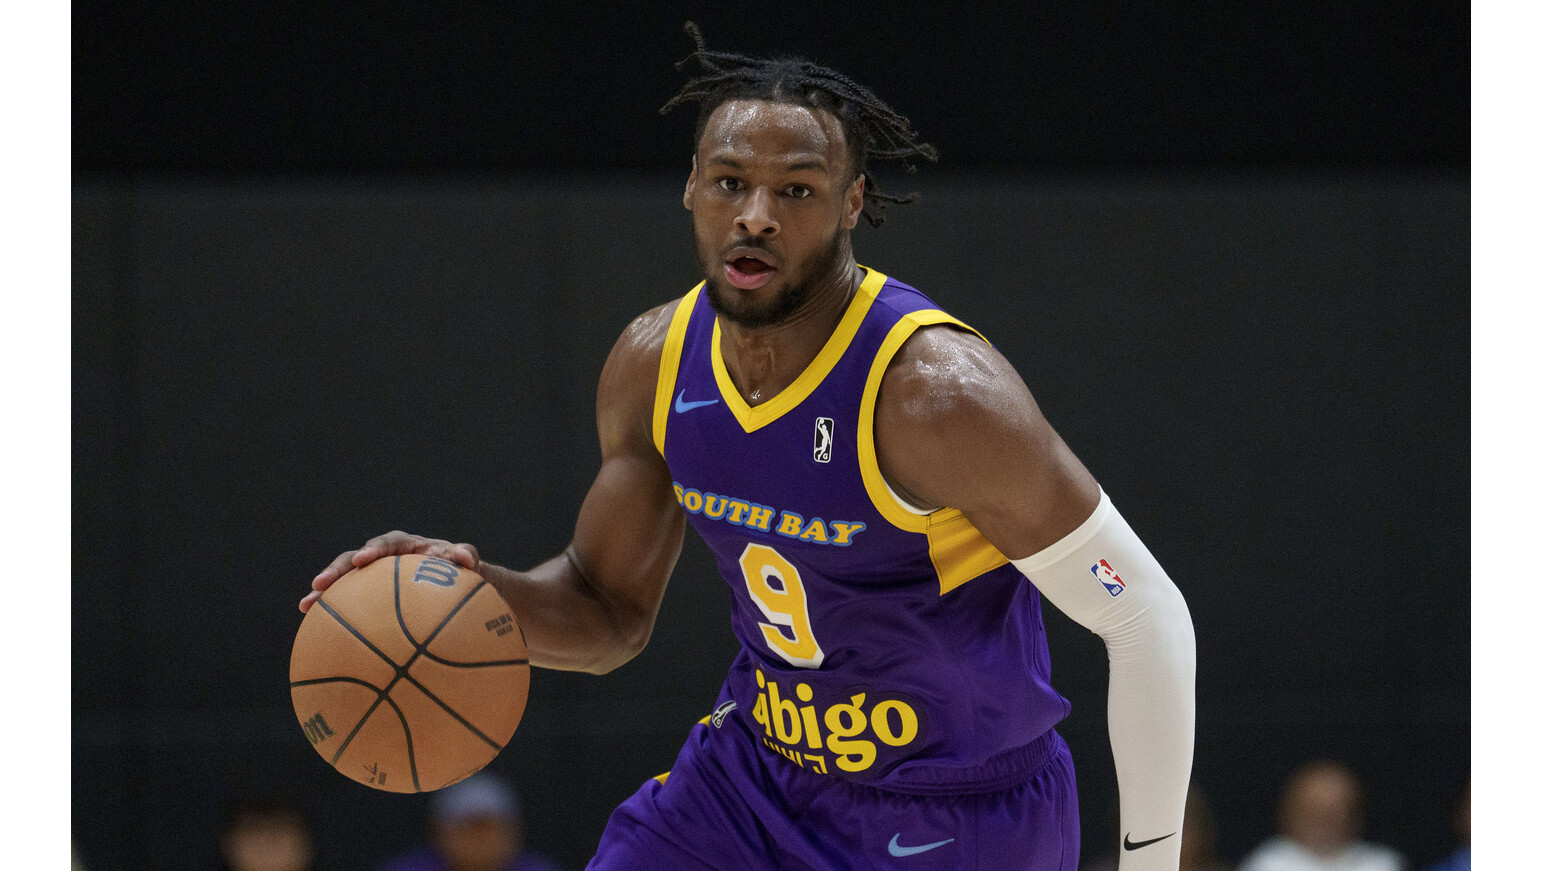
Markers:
(880, 645)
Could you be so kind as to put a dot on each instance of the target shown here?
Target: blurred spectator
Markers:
(474, 825)
(266, 833)
(1321, 818)
(1460, 860)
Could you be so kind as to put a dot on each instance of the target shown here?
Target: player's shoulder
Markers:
(942, 373)
(631, 371)
(641, 343)
(955, 425)
(648, 331)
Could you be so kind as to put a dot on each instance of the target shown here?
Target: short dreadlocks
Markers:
(872, 129)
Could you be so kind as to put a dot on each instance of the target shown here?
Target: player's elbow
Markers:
(613, 659)
(628, 636)
(1163, 629)
(1178, 624)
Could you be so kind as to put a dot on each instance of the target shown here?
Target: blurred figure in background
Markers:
(1460, 860)
(266, 833)
(474, 825)
(1200, 836)
(1321, 817)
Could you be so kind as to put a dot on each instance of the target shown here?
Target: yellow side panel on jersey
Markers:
(752, 418)
(959, 552)
(669, 367)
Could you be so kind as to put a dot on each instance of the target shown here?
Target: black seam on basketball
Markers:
(442, 661)
(401, 619)
(345, 679)
(356, 634)
(452, 712)
(384, 697)
(411, 755)
(423, 648)
(379, 697)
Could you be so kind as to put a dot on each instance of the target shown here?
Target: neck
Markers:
(763, 361)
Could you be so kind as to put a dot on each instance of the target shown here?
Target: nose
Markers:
(757, 218)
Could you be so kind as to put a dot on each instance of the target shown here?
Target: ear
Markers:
(854, 199)
(690, 186)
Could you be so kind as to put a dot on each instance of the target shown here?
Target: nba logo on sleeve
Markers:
(1108, 578)
(823, 439)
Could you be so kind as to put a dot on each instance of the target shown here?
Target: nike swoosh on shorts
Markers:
(895, 850)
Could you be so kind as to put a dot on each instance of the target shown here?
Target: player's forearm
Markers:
(567, 622)
(1151, 666)
(1104, 578)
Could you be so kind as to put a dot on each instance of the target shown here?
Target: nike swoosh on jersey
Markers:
(681, 406)
(895, 850)
(1135, 845)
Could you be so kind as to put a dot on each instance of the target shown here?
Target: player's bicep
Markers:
(630, 528)
(629, 532)
(1039, 493)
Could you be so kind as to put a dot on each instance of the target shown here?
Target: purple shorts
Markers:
(731, 805)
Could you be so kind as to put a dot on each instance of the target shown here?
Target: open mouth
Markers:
(750, 265)
(748, 271)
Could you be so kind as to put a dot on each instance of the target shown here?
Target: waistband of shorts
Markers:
(1005, 769)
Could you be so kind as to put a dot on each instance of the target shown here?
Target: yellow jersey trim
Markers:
(751, 418)
(669, 366)
(959, 552)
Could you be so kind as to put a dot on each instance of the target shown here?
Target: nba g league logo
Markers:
(823, 439)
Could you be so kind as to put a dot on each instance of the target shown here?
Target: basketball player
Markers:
(886, 503)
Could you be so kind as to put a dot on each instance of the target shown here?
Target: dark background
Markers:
(338, 272)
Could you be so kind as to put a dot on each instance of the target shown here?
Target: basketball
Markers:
(409, 674)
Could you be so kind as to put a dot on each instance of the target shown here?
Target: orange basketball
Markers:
(409, 674)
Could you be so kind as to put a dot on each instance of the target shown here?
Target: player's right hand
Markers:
(394, 543)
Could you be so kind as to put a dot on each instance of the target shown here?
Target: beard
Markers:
(784, 304)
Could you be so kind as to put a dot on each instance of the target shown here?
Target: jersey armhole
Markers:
(894, 509)
(959, 552)
(669, 366)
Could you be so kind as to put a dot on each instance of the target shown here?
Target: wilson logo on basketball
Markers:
(316, 729)
(436, 571)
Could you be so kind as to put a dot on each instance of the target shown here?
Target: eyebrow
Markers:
(796, 166)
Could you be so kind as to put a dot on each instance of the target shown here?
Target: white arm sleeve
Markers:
(1104, 578)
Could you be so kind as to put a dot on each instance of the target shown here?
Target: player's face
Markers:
(771, 208)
